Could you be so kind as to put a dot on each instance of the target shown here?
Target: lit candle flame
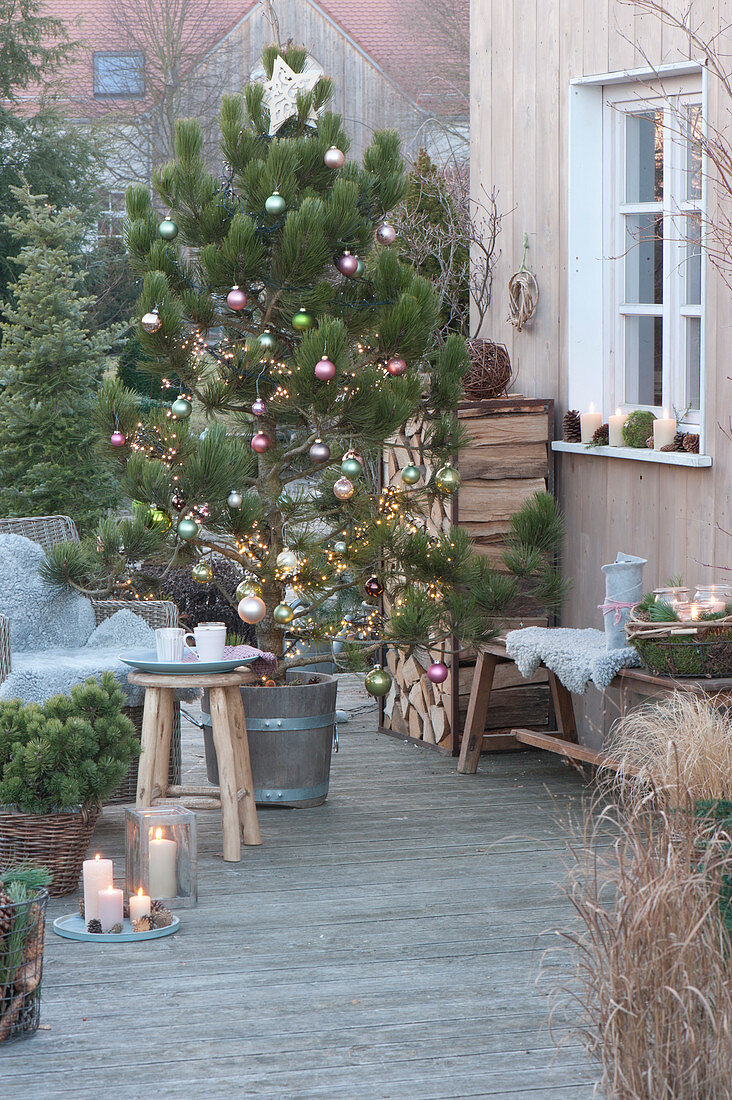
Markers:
(665, 414)
(98, 856)
(617, 412)
(158, 834)
(592, 407)
(109, 890)
(695, 611)
(139, 892)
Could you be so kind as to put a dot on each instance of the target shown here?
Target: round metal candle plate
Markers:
(73, 927)
(146, 660)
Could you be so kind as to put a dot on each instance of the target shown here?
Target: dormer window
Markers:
(119, 73)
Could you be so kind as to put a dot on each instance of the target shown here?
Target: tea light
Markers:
(615, 424)
(139, 905)
(97, 875)
(589, 423)
(162, 879)
(110, 907)
(664, 431)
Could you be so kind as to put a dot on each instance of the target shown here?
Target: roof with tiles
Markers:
(394, 34)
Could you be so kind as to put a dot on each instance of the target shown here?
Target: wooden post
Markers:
(162, 752)
(244, 779)
(152, 738)
(227, 774)
(480, 695)
(562, 699)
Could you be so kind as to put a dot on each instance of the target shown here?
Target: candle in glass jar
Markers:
(139, 905)
(162, 878)
(97, 875)
(589, 423)
(615, 425)
(664, 431)
(110, 908)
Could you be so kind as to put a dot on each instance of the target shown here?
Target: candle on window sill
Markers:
(97, 874)
(162, 880)
(615, 424)
(139, 905)
(110, 908)
(589, 423)
(664, 431)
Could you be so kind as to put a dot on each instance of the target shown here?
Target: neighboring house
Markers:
(143, 63)
(594, 157)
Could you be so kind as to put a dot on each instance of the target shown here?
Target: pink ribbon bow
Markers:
(617, 606)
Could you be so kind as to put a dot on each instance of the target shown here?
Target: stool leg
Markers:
(152, 733)
(245, 782)
(162, 752)
(227, 774)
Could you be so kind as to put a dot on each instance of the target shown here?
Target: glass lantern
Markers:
(715, 597)
(161, 854)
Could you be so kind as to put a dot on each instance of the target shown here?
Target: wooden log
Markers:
(504, 460)
(415, 724)
(437, 722)
(478, 499)
(210, 802)
(515, 428)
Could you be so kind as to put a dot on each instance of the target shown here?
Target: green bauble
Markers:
(181, 408)
(202, 572)
(267, 340)
(378, 681)
(158, 518)
(187, 529)
(411, 475)
(351, 467)
(339, 547)
(275, 204)
(283, 614)
(359, 270)
(447, 479)
(167, 229)
(247, 588)
(303, 320)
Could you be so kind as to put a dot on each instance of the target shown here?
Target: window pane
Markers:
(644, 157)
(644, 258)
(643, 360)
(693, 361)
(693, 153)
(692, 267)
(119, 74)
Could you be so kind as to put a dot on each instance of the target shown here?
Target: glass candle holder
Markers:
(715, 597)
(161, 855)
(672, 595)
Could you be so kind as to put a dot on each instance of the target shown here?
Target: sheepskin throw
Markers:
(576, 657)
(39, 616)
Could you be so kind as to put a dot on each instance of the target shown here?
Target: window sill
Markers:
(635, 454)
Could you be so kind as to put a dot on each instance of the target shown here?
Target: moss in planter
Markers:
(637, 428)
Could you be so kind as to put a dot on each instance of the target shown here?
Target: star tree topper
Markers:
(280, 93)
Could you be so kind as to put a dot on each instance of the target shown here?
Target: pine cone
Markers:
(116, 928)
(669, 447)
(81, 908)
(649, 442)
(7, 911)
(691, 443)
(571, 429)
(601, 437)
(94, 926)
(142, 924)
(679, 441)
(162, 917)
(156, 905)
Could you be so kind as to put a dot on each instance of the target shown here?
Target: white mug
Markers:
(210, 639)
(169, 642)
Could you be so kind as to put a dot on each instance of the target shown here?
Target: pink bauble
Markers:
(117, 439)
(261, 443)
(396, 365)
(386, 234)
(347, 264)
(319, 452)
(325, 370)
(334, 157)
(437, 672)
(236, 299)
(258, 407)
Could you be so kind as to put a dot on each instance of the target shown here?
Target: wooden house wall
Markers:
(524, 53)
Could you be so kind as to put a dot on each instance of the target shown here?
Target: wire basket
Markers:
(698, 650)
(22, 928)
(56, 841)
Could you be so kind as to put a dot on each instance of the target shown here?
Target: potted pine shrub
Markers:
(58, 762)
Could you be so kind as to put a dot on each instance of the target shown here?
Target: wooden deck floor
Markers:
(382, 945)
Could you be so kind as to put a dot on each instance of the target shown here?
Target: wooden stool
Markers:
(236, 790)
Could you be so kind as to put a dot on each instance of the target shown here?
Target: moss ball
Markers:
(637, 428)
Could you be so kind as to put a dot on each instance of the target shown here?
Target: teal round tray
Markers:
(73, 927)
(146, 660)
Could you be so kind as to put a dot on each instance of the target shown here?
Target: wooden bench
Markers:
(564, 740)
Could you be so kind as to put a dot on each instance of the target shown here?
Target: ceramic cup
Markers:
(210, 639)
(169, 642)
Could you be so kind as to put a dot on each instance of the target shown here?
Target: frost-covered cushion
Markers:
(123, 629)
(40, 616)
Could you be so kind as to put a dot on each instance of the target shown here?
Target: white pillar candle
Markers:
(664, 430)
(162, 879)
(615, 424)
(139, 905)
(97, 875)
(110, 908)
(589, 423)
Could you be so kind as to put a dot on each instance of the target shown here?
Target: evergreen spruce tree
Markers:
(50, 368)
(275, 299)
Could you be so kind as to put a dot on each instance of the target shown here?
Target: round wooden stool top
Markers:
(192, 679)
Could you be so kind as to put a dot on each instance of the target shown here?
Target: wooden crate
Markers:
(507, 460)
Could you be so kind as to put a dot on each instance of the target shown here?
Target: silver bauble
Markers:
(252, 609)
(343, 488)
(234, 499)
(151, 321)
(287, 560)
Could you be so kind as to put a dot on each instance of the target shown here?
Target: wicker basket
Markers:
(21, 966)
(56, 841)
(683, 649)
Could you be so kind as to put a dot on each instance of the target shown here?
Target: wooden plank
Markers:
(518, 429)
(525, 706)
(559, 745)
(497, 498)
(480, 696)
(504, 460)
(505, 676)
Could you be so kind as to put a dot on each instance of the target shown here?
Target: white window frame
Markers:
(596, 270)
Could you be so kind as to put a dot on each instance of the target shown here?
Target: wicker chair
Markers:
(48, 531)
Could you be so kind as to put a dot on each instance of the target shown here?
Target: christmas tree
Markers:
(50, 368)
(273, 297)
